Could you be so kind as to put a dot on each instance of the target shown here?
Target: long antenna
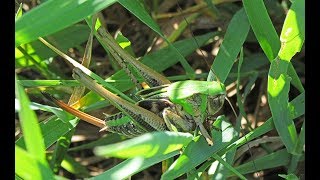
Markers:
(211, 69)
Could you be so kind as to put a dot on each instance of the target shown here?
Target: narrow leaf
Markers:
(63, 13)
(198, 150)
(29, 167)
(147, 145)
(233, 40)
(276, 159)
(262, 27)
(30, 126)
(132, 166)
(293, 31)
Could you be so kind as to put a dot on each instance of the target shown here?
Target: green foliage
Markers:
(62, 23)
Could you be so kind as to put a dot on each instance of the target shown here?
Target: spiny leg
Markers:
(152, 77)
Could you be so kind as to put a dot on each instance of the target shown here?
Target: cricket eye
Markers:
(215, 103)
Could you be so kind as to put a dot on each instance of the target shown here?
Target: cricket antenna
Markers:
(203, 56)
(234, 111)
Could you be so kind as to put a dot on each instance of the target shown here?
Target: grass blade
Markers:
(199, 148)
(233, 40)
(76, 34)
(292, 38)
(146, 145)
(293, 31)
(60, 150)
(74, 167)
(27, 166)
(108, 139)
(30, 126)
(63, 13)
(262, 27)
(53, 128)
(228, 166)
(278, 90)
(299, 149)
(48, 83)
(296, 108)
(132, 166)
(276, 159)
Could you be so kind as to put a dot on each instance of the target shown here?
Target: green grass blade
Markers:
(37, 64)
(219, 170)
(19, 12)
(132, 166)
(295, 78)
(53, 128)
(262, 27)
(299, 149)
(199, 148)
(239, 97)
(233, 40)
(289, 176)
(276, 159)
(74, 167)
(228, 166)
(292, 38)
(296, 108)
(147, 145)
(293, 31)
(27, 166)
(212, 7)
(57, 111)
(278, 90)
(77, 34)
(254, 62)
(48, 83)
(266, 34)
(63, 13)
(30, 126)
(108, 139)
(60, 150)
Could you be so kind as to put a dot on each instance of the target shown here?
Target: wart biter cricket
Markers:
(180, 106)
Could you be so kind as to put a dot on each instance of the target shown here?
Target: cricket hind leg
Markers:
(121, 124)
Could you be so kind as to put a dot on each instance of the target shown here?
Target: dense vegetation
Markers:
(256, 48)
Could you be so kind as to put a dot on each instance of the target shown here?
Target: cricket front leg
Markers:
(205, 133)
